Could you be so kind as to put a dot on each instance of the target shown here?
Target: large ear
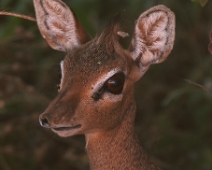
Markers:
(153, 37)
(58, 25)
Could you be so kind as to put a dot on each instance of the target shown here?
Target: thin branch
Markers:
(198, 85)
(18, 15)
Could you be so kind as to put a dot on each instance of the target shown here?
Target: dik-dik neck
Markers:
(117, 149)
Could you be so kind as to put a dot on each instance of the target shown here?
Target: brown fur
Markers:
(108, 121)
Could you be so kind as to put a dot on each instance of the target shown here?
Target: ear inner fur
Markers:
(154, 36)
(58, 25)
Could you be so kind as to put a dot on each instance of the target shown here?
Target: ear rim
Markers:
(69, 38)
(170, 39)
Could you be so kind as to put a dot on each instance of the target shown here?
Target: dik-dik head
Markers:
(98, 75)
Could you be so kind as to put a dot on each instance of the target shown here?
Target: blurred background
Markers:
(174, 99)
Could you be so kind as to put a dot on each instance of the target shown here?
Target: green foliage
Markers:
(25, 7)
(202, 2)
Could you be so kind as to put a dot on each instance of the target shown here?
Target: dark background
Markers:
(173, 116)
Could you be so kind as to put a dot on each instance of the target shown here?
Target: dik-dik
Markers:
(96, 95)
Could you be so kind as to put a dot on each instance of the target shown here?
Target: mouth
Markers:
(61, 129)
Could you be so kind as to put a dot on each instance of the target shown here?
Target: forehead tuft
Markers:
(92, 57)
(101, 51)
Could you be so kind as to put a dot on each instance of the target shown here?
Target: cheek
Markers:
(104, 114)
(110, 109)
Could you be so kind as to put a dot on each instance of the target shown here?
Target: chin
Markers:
(67, 132)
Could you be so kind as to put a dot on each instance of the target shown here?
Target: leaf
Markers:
(202, 2)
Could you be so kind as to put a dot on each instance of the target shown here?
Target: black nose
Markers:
(44, 121)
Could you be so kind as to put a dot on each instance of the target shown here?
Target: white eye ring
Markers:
(62, 74)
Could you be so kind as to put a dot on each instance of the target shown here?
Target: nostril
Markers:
(44, 122)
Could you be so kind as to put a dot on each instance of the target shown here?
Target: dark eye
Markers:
(115, 84)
